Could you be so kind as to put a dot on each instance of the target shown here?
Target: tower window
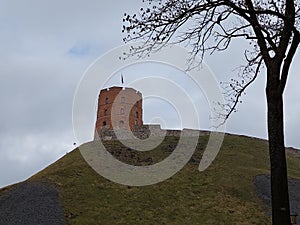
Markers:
(121, 123)
(123, 100)
(105, 112)
(106, 101)
(104, 124)
(122, 111)
(136, 114)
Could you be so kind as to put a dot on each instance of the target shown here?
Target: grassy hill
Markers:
(222, 194)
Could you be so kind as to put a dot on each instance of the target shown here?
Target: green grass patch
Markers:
(222, 194)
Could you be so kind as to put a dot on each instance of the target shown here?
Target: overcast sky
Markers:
(46, 46)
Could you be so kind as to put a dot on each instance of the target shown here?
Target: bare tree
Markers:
(272, 29)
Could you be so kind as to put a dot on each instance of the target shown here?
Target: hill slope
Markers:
(222, 194)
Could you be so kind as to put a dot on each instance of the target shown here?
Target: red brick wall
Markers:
(110, 101)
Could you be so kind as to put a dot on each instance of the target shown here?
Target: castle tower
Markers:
(119, 108)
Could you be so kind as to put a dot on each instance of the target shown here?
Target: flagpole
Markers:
(122, 80)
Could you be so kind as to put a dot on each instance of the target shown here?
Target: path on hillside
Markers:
(31, 203)
(262, 185)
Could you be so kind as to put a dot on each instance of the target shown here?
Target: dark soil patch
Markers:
(262, 186)
(31, 203)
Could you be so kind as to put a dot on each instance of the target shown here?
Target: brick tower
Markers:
(119, 108)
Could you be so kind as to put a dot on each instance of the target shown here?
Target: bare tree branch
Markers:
(288, 60)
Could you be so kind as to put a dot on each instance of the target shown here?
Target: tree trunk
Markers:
(279, 180)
